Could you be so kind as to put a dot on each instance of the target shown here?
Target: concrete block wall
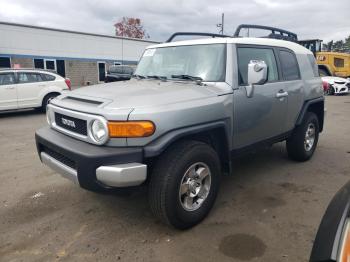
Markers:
(81, 72)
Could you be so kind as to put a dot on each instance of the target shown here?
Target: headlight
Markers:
(48, 115)
(99, 131)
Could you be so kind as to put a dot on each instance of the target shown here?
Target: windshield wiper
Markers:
(164, 78)
(189, 77)
(139, 76)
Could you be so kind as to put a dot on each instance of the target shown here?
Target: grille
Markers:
(73, 124)
(61, 158)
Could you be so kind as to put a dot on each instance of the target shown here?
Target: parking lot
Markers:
(269, 210)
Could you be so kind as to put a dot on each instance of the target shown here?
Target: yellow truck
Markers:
(329, 63)
(333, 64)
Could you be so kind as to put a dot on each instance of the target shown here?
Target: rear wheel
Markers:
(302, 143)
(47, 100)
(184, 184)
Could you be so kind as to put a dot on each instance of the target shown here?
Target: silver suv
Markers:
(175, 126)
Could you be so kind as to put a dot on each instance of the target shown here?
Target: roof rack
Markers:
(276, 33)
(193, 33)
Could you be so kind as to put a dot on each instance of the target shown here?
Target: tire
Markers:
(47, 100)
(323, 72)
(299, 146)
(331, 91)
(170, 172)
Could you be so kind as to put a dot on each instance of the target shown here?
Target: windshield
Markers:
(207, 62)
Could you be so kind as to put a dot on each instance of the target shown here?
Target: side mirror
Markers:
(257, 75)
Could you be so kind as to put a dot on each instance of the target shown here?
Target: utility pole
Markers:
(221, 26)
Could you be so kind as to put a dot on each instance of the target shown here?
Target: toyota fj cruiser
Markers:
(175, 126)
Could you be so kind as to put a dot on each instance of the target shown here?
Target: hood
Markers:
(143, 93)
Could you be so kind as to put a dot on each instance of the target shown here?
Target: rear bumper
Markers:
(92, 167)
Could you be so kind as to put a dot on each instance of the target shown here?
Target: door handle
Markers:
(9, 87)
(281, 94)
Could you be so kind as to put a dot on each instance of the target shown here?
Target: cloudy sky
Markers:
(322, 19)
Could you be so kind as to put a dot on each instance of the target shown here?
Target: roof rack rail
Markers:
(276, 33)
(193, 33)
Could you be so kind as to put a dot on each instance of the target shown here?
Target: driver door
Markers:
(263, 115)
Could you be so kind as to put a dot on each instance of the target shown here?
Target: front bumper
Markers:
(92, 167)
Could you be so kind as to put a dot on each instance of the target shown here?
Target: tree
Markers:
(130, 27)
(338, 46)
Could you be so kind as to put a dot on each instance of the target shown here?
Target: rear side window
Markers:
(289, 65)
(313, 64)
(29, 78)
(245, 54)
(47, 77)
(7, 79)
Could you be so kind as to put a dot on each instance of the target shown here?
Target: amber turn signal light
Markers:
(131, 128)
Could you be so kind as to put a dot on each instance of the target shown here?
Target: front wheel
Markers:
(184, 184)
(331, 90)
(323, 72)
(303, 141)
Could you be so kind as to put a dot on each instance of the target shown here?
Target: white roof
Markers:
(30, 70)
(298, 49)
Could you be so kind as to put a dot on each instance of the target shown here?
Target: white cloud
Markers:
(309, 19)
(268, 3)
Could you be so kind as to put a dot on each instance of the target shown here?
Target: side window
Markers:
(47, 77)
(7, 79)
(289, 64)
(39, 63)
(5, 62)
(313, 64)
(245, 54)
(338, 62)
(29, 78)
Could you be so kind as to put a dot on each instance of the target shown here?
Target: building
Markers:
(81, 57)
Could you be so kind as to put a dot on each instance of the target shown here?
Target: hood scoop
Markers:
(82, 100)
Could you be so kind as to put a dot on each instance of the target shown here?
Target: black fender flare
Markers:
(159, 145)
(305, 108)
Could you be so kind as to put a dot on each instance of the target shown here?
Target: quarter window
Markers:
(289, 65)
(47, 77)
(313, 64)
(245, 54)
(7, 79)
(338, 62)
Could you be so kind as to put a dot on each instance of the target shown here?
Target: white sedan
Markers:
(29, 88)
(337, 85)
